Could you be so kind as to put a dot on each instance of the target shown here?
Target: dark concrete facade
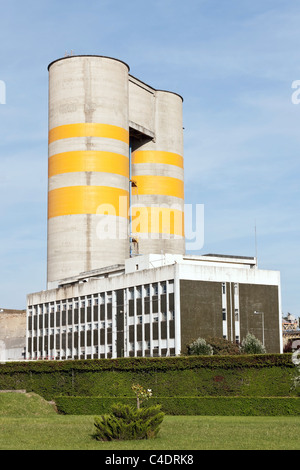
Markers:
(200, 309)
(202, 313)
(264, 299)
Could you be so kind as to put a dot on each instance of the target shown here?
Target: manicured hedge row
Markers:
(257, 375)
(208, 406)
(151, 363)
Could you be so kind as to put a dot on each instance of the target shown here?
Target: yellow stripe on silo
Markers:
(88, 129)
(87, 200)
(154, 156)
(88, 160)
(158, 185)
(157, 220)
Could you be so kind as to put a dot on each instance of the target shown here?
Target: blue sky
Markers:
(233, 62)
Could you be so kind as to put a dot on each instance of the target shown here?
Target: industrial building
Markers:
(12, 334)
(119, 282)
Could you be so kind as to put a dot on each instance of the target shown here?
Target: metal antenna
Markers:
(255, 243)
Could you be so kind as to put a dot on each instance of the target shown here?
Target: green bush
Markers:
(200, 347)
(128, 423)
(251, 345)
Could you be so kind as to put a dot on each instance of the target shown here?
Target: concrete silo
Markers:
(158, 181)
(88, 165)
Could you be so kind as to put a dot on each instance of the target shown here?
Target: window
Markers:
(139, 292)
(131, 293)
(224, 314)
(147, 290)
(155, 289)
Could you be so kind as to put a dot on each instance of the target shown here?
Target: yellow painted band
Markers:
(159, 185)
(88, 160)
(88, 129)
(87, 200)
(153, 156)
(157, 220)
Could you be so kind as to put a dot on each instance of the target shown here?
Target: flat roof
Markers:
(229, 256)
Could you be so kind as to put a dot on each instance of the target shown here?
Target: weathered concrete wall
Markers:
(12, 334)
(260, 298)
(201, 312)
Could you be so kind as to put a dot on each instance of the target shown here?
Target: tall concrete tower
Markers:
(88, 164)
(115, 186)
(157, 173)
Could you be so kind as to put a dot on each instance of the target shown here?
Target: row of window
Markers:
(97, 353)
(67, 345)
(138, 292)
(104, 325)
(136, 308)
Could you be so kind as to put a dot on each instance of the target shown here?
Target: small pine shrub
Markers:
(200, 347)
(128, 423)
(251, 345)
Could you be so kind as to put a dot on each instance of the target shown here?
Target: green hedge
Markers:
(151, 363)
(267, 375)
(209, 406)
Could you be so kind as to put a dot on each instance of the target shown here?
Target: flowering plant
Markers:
(141, 394)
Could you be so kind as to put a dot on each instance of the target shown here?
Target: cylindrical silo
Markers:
(88, 165)
(158, 182)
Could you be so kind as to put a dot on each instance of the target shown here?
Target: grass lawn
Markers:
(29, 423)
